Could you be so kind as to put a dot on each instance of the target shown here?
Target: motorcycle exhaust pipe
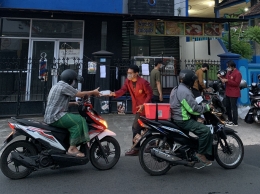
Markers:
(23, 160)
(162, 155)
(169, 158)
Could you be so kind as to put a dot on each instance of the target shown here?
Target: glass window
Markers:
(57, 29)
(140, 47)
(14, 27)
(13, 53)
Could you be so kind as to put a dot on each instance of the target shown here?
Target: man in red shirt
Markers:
(232, 82)
(141, 92)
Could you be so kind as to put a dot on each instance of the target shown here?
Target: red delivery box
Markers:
(163, 110)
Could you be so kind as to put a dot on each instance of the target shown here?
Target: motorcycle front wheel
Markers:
(230, 155)
(112, 151)
(151, 164)
(10, 168)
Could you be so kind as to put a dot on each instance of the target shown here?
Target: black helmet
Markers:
(69, 75)
(243, 84)
(188, 77)
(222, 72)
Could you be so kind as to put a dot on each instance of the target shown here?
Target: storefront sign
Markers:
(70, 54)
(172, 28)
(144, 27)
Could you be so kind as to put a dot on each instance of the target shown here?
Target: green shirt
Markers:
(155, 77)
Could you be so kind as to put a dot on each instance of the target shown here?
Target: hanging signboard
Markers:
(193, 29)
(172, 28)
(144, 27)
(69, 55)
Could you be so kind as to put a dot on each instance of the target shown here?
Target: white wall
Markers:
(198, 50)
(179, 4)
(125, 6)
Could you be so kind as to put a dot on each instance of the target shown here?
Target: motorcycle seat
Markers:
(173, 125)
(169, 124)
(256, 98)
(41, 125)
(151, 121)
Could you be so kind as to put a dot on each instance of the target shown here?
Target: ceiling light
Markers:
(211, 3)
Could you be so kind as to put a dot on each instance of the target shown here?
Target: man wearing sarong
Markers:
(56, 110)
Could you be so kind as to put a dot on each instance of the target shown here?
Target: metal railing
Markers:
(23, 91)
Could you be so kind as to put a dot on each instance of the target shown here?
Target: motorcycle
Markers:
(164, 144)
(45, 146)
(253, 114)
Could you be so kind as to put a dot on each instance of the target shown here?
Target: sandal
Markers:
(203, 159)
(76, 154)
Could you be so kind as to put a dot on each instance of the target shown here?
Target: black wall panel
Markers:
(142, 7)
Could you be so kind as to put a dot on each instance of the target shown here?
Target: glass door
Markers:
(39, 79)
(70, 54)
(48, 58)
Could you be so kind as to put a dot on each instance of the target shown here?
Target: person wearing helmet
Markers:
(232, 82)
(57, 105)
(183, 106)
(199, 85)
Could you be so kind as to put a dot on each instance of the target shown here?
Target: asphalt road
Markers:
(128, 176)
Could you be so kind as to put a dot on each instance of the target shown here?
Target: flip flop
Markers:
(76, 154)
(205, 163)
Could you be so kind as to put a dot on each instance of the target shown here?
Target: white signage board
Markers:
(70, 54)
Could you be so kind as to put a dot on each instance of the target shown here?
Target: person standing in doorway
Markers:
(199, 85)
(141, 92)
(232, 82)
(155, 81)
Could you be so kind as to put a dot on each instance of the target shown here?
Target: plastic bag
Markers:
(242, 111)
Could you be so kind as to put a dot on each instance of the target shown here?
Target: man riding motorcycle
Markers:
(183, 106)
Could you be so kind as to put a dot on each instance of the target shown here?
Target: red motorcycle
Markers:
(45, 146)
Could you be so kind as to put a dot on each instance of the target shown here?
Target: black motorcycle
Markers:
(164, 144)
(253, 114)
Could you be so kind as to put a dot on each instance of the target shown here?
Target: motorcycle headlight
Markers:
(103, 122)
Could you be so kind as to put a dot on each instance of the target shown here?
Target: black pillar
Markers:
(102, 79)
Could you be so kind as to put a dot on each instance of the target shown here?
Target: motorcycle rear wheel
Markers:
(152, 165)
(226, 159)
(8, 167)
(112, 154)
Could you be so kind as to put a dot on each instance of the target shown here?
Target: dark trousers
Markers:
(156, 99)
(136, 128)
(202, 131)
(231, 107)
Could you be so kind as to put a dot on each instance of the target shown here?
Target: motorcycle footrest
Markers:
(67, 160)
